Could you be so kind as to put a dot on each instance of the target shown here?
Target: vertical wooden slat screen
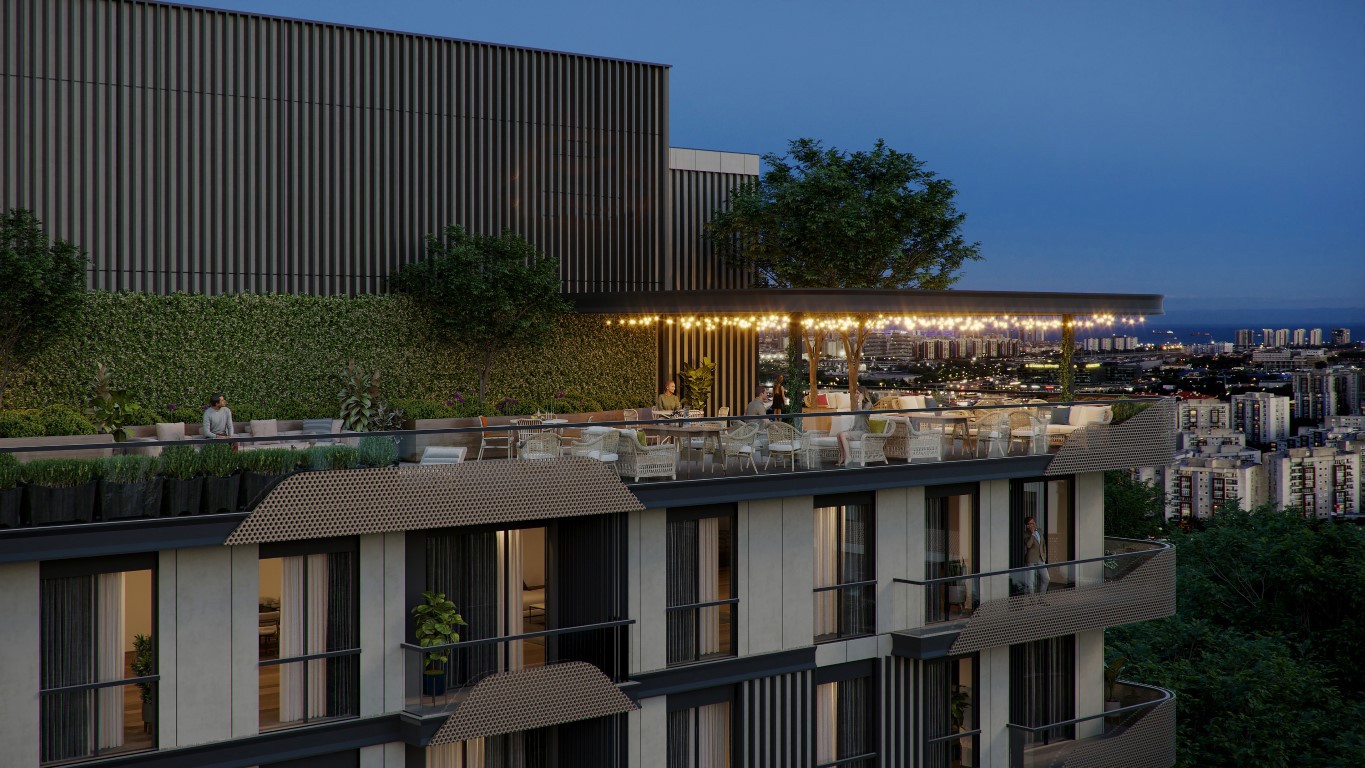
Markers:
(191, 149)
(694, 266)
(734, 350)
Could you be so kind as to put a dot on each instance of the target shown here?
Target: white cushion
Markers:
(170, 431)
(263, 428)
(602, 455)
(785, 446)
(910, 401)
(824, 442)
(1085, 415)
(839, 424)
(443, 454)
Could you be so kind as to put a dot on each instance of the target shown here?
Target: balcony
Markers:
(954, 615)
(1140, 733)
(497, 685)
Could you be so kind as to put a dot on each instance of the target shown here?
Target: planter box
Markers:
(254, 484)
(11, 507)
(221, 494)
(122, 501)
(94, 441)
(182, 497)
(74, 504)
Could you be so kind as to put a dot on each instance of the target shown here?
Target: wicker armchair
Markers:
(867, 447)
(896, 432)
(741, 443)
(925, 442)
(540, 446)
(1028, 431)
(786, 440)
(601, 446)
(637, 460)
(993, 433)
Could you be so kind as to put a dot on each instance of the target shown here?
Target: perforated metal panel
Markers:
(1148, 592)
(351, 502)
(533, 698)
(1148, 743)
(1145, 440)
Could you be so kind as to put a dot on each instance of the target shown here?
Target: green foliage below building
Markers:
(281, 356)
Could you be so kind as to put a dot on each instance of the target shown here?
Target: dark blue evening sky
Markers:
(1210, 151)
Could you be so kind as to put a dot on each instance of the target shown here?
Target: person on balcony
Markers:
(668, 400)
(217, 417)
(1035, 553)
(759, 405)
(779, 394)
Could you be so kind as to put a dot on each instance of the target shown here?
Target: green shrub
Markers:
(378, 451)
(10, 471)
(330, 457)
(61, 473)
(59, 420)
(269, 461)
(187, 413)
(1127, 409)
(21, 424)
(128, 469)
(217, 460)
(178, 462)
(425, 409)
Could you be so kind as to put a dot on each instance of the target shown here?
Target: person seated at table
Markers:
(217, 417)
(668, 400)
(759, 405)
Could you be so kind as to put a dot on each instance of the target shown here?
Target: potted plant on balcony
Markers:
(262, 469)
(957, 590)
(697, 383)
(1111, 679)
(61, 490)
(11, 492)
(959, 701)
(129, 487)
(184, 488)
(144, 664)
(438, 621)
(218, 465)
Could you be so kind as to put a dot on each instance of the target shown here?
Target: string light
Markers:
(846, 323)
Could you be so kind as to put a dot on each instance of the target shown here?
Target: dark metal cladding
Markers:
(190, 149)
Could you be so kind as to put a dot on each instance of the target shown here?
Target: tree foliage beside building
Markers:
(1264, 651)
(824, 218)
(1133, 509)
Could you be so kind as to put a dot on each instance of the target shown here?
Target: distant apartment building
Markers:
(1323, 392)
(1341, 335)
(1352, 423)
(1245, 338)
(1267, 337)
(1287, 359)
(1315, 337)
(1282, 337)
(1210, 440)
(1299, 337)
(1261, 416)
(1201, 485)
(1110, 344)
(1203, 414)
(1318, 482)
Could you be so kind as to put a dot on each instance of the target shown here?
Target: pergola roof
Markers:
(825, 301)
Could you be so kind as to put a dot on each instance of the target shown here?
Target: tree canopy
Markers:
(825, 218)
(1264, 651)
(1132, 508)
(488, 292)
(41, 284)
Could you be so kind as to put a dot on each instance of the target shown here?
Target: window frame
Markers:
(842, 501)
(696, 514)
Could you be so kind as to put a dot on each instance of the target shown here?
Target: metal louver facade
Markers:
(189, 149)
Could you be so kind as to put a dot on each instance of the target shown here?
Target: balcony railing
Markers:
(437, 677)
(641, 451)
(98, 719)
(702, 631)
(1139, 733)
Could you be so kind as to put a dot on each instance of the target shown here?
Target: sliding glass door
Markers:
(700, 590)
(1050, 504)
(952, 548)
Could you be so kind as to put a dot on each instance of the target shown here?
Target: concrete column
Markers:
(245, 639)
(760, 589)
(893, 559)
(1090, 681)
(167, 703)
(653, 719)
(1089, 489)
(798, 571)
(373, 639)
(651, 622)
(395, 619)
(996, 537)
(19, 678)
(203, 640)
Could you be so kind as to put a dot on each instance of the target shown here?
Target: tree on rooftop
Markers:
(824, 218)
(41, 284)
(491, 293)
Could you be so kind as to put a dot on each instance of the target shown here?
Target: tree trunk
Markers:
(812, 338)
(1066, 374)
(853, 351)
(484, 370)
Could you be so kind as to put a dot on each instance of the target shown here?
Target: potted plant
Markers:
(378, 451)
(11, 492)
(959, 701)
(697, 383)
(144, 664)
(111, 410)
(61, 490)
(263, 468)
(218, 465)
(957, 590)
(184, 488)
(437, 623)
(129, 487)
(1111, 679)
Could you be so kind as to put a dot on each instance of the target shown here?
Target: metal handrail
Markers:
(953, 736)
(104, 684)
(845, 585)
(511, 638)
(847, 760)
(510, 428)
(1158, 546)
(727, 601)
(1166, 695)
(309, 657)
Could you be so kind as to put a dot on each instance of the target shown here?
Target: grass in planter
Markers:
(128, 469)
(179, 462)
(1124, 410)
(217, 460)
(10, 472)
(378, 451)
(330, 457)
(61, 473)
(269, 461)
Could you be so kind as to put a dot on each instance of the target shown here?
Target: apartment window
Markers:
(951, 549)
(952, 732)
(1310, 477)
(845, 569)
(1043, 688)
(98, 665)
(309, 613)
(1049, 503)
(702, 607)
(700, 726)
(1309, 503)
(1218, 489)
(845, 718)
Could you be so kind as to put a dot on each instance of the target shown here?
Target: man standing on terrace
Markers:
(217, 417)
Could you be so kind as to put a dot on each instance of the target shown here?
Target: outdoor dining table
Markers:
(709, 431)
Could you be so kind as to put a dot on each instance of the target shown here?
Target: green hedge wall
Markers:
(281, 355)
